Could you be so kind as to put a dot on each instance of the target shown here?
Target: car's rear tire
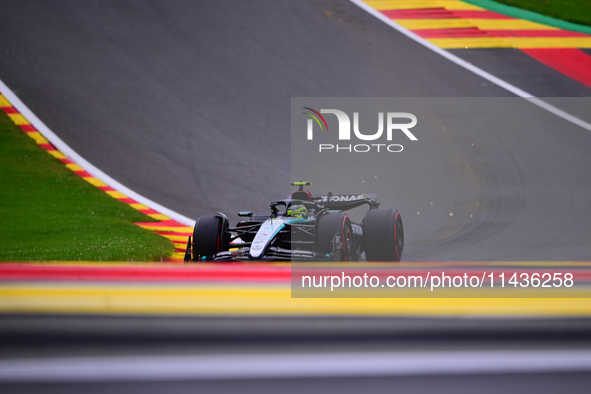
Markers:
(383, 235)
(329, 225)
(210, 236)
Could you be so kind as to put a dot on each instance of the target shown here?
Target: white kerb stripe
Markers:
(263, 366)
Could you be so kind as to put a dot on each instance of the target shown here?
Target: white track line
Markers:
(268, 366)
(71, 154)
(462, 63)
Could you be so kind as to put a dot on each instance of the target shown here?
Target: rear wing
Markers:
(346, 201)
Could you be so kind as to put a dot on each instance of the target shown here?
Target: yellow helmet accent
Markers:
(297, 211)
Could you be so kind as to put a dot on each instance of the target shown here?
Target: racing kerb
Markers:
(177, 229)
(478, 24)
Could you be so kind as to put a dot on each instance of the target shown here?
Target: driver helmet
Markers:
(297, 211)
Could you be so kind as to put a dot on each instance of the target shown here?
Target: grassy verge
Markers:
(575, 11)
(49, 213)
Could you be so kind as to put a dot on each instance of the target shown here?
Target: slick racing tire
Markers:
(329, 225)
(383, 235)
(210, 236)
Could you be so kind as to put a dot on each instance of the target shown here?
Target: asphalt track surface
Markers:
(188, 103)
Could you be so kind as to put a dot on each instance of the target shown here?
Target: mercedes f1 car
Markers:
(302, 227)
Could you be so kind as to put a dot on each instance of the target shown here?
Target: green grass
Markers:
(575, 11)
(49, 213)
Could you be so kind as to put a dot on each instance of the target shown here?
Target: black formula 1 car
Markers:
(302, 227)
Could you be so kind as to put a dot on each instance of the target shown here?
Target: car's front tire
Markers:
(210, 236)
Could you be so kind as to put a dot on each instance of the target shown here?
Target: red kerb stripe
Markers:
(441, 13)
(9, 110)
(476, 32)
(28, 128)
(451, 33)
(573, 63)
(228, 272)
(173, 234)
(201, 273)
(419, 13)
